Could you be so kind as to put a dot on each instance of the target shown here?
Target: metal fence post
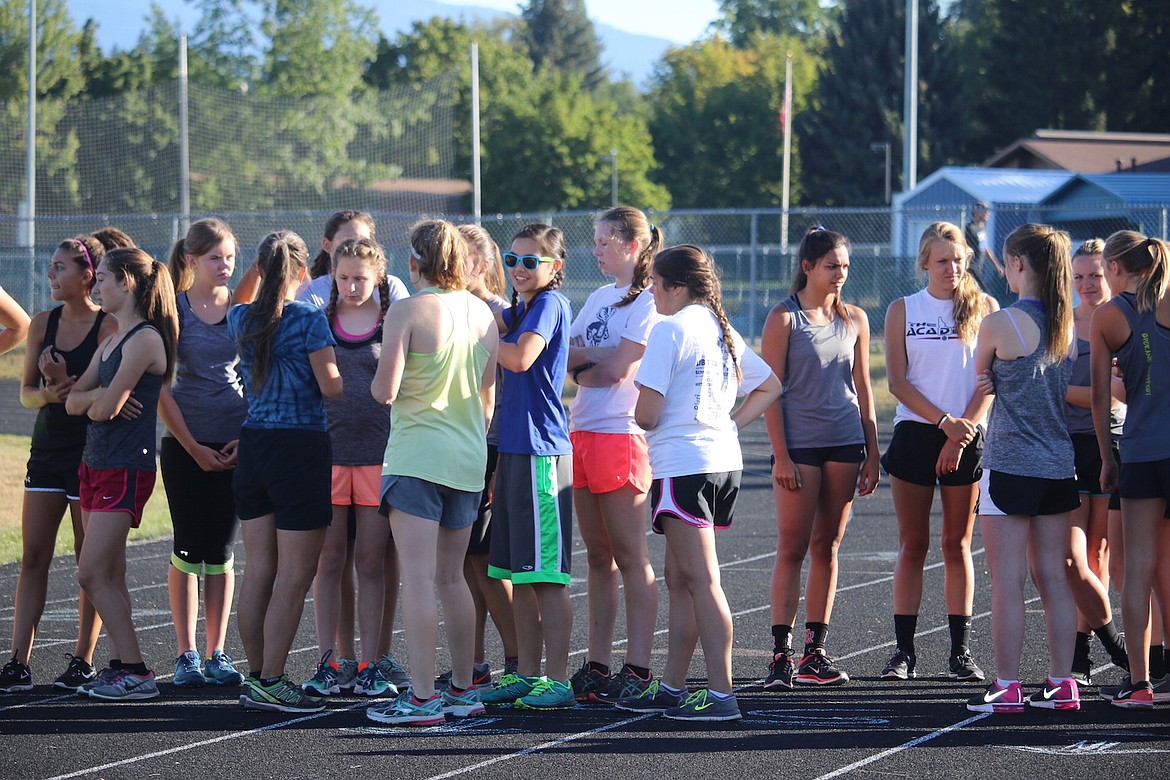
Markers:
(752, 275)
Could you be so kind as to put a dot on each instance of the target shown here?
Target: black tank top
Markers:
(55, 430)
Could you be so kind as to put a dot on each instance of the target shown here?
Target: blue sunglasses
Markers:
(528, 261)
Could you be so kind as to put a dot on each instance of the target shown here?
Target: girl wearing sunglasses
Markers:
(531, 547)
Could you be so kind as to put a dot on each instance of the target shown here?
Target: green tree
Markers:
(543, 150)
(316, 47)
(715, 120)
(223, 47)
(560, 35)
(1038, 65)
(742, 20)
(1138, 68)
(858, 102)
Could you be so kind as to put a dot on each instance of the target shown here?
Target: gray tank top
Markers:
(125, 444)
(1145, 363)
(1080, 418)
(819, 398)
(358, 425)
(1027, 435)
(207, 387)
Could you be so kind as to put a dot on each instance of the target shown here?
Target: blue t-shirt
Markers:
(290, 397)
(532, 417)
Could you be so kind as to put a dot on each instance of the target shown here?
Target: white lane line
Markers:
(904, 746)
(543, 746)
(205, 742)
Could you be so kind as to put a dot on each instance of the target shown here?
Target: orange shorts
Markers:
(357, 485)
(116, 490)
(604, 462)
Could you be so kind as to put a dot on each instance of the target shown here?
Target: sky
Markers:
(680, 21)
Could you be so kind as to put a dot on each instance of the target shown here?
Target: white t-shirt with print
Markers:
(686, 363)
(600, 323)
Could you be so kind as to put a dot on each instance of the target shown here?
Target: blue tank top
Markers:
(1145, 364)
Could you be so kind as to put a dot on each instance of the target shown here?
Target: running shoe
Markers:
(900, 666)
(702, 706)
(626, 684)
(187, 671)
(280, 696)
(219, 669)
(653, 699)
(1134, 696)
(246, 685)
(997, 699)
(126, 686)
(1057, 696)
(481, 677)
(324, 681)
(508, 689)
(1161, 687)
(511, 665)
(1082, 671)
(408, 711)
(548, 694)
(347, 674)
(15, 677)
(461, 705)
(76, 674)
(818, 669)
(370, 682)
(588, 683)
(393, 671)
(101, 678)
(781, 671)
(962, 667)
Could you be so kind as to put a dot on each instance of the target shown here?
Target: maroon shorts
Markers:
(116, 490)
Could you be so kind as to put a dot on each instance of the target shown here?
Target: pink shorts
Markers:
(357, 485)
(604, 462)
(116, 490)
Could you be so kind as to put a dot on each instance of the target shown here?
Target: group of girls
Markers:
(278, 417)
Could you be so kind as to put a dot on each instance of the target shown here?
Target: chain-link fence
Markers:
(755, 258)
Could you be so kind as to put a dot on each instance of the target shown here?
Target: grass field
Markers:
(13, 455)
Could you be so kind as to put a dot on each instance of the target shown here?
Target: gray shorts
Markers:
(450, 508)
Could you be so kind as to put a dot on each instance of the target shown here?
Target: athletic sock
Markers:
(1081, 649)
(720, 696)
(1113, 642)
(115, 663)
(268, 682)
(781, 639)
(960, 626)
(1002, 683)
(672, 691)
(596, 667)
(1157, 662)
(138, 668)
(815, 635)
(905, 626)
(641, 671)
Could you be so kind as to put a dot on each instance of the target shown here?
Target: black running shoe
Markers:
(900, 666)
(1082, 670)
(964, 668)
(588, 683)
(818, 669)
(15, 677)
(77, 674)
(781, 671)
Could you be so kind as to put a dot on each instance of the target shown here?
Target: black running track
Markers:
(868, 728)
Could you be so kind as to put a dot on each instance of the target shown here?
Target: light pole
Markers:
(612, 159)
(884, 146)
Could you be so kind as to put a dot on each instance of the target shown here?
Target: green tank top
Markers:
(437, 427)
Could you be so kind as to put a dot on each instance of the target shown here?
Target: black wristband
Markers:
(941, 420)
(576, 372)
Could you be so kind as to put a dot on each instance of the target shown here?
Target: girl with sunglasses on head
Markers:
(531, 547)
(61, 343)
(611, 463)
(824, 439)
(119, 393)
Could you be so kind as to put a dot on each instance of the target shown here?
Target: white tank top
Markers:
(938, 362)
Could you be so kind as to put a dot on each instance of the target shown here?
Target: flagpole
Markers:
(786, 121)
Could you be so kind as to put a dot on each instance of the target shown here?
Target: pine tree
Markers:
(560, 36)
(743, 19)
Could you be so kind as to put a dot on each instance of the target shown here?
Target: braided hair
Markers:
(689, 266)
(629, 224)
(371, 255)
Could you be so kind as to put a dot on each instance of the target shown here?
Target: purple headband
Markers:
(88, 259)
